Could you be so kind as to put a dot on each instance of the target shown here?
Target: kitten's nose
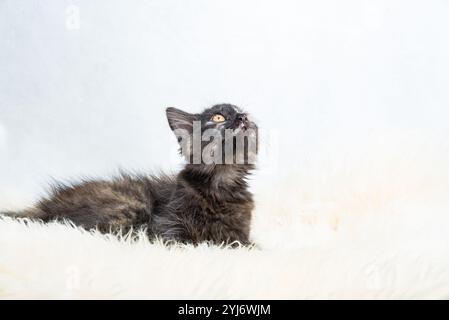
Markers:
(242, 120)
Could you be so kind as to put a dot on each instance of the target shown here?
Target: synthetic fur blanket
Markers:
(60, 262)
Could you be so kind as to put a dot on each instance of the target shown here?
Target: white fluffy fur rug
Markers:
(358, 228)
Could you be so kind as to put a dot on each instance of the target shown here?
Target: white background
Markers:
(84, 84)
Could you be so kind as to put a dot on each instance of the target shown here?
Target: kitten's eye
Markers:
(218, 118)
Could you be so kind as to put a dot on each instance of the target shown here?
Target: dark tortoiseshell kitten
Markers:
(206, 201)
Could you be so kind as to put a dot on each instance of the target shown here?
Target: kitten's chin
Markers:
(238, 131)
(247, 129)
(213, 167)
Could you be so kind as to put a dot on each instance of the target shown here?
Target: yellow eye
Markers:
(218, 118)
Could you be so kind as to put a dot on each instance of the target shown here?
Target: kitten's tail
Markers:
(9, 214)
(28, 214)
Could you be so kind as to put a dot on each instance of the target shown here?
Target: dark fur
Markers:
(202, 203)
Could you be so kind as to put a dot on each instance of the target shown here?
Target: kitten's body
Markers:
(204, 202)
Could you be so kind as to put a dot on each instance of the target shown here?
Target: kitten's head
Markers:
(222, 134)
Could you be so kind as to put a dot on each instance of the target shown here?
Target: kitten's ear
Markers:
(178, 119)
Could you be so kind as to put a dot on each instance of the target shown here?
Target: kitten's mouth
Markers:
(240, 128)
(242, 123)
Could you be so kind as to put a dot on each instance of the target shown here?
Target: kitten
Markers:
(207, 201)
